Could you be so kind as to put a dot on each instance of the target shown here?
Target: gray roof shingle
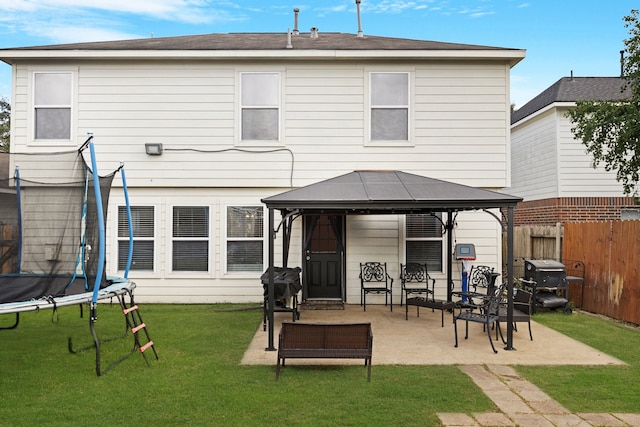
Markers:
(572, 89)
(265, 41)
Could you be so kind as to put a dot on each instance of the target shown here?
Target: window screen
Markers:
(245, 238)
(52, 105)
(190, 238)
(424, 240)
(389, 106)
(260, 106)
(142, 221)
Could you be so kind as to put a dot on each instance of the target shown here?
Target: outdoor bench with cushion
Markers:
(325, 341)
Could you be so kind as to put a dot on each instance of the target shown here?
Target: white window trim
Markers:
(260, 142)
(409, 142)
(223, 235)
(403, 246)
(169, 258)
(156, 237)
(32, 107)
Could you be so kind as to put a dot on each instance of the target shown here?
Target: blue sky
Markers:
(560, 36)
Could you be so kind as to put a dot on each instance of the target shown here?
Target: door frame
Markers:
(342, 245)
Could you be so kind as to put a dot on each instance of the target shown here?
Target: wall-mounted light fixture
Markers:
(153, 148)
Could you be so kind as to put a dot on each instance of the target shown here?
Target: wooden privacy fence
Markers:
(610, 251)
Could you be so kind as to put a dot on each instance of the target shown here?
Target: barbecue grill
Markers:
(551, 289)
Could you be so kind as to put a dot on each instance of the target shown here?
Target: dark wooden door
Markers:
(324, 256)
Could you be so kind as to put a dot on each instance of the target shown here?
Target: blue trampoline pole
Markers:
(19, 205)
(101, 232)
(129, 222)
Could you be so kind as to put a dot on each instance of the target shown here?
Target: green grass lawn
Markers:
(199, 380)
(592, 388)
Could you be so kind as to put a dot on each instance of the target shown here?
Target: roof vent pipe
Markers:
(571, 75)
(359, 21)
(314, 32)
(296, 11)
(622, 63)
(289, 45)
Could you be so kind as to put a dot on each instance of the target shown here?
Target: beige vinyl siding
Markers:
(458, 110)
(485, 233)
(372, 238)
(535, 158)
(380, 238)
(458, 132)
(577, 176)
(215, 285)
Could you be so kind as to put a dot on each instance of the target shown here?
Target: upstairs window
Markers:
(245, 238)
(260, 106)
(142, 221)
(190, 238)
(389, 106)
(423, 240)
(52, 105)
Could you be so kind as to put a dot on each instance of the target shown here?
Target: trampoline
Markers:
(52, 242)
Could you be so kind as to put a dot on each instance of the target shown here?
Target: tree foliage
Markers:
(5, 124)
(610, 130)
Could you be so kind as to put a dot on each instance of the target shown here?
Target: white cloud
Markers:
(187, 11)
(394, 6)
(69, 21)
(85, 34)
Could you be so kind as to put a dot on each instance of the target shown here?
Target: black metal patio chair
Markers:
(480, 283)
(487, 315)
(374, 279)
(415, 280)
(522, 309)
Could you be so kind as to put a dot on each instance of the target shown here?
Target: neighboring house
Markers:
(242, 117)
(551, 170)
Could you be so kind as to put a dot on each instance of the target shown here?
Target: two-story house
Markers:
(551, 169)
(209, 125)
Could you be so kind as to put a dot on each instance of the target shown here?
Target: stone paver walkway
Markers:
(523, 404)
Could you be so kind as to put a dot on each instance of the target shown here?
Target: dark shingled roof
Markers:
(388, 192)
(572, 89)
(265, 41)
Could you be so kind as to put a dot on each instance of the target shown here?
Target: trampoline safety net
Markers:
(49, 225)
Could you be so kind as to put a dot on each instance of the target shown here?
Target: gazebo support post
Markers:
(271, 286)
(509, 279)
(449, 227)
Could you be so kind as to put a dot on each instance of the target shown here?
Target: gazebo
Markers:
(387, 192)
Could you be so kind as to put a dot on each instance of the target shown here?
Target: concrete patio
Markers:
(423, 341)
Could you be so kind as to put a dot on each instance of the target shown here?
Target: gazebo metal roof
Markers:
(390, 192)
(387, 192)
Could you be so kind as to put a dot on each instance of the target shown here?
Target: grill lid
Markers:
(544, 265)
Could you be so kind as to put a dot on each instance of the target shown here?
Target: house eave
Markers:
(512, 56)
(532, 116)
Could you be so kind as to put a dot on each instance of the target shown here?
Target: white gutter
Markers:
(513, 55)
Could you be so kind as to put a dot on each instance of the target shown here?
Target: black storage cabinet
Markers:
(551, 289)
